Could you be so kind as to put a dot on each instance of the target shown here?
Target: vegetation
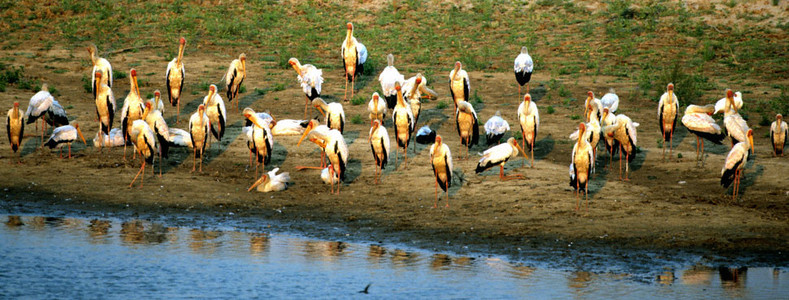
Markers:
(357, 119)
(358, 100)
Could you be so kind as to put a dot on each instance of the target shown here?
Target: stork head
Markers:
(182, 41)
(418, 80)
(526, 98)
(201, 108)
(76, 126)
(293, 61)
(458, 65)
(376, 96)
(92, 49)
(397, 86)
(307, 130)
(605, 112)
(438, 140)
(524, 50)
(148, 105)
(133, 73)
(582, 127)
(212, 88)
(157, 94)
(242, 57)
(45, 87)
(729, 93)
(670, 87)
(98, 75)
(248, 112)
(589, 95)
(263, 179)
(777, 117)
(750, 138)
(16, 105)
(349, 26)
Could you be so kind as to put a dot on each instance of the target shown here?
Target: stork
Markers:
(132, 108)
(735, 164)
(735, 124)
(65, 135)
(379, 143)
(144, 142)
(529, 119)
(611, 144)
(495, 128)
(610, 100)
(271, 182)
(467, 125)
(441, 160)
(333, 113)
(389, 76)
(499, 155)
(235, 76)
(261, 140)
(698, 120)
(668, 106)
(321, 131)
(459, 84)
(779, 131)
(354, 55)
(377, 108)
(596, 105)
(113, 139)
(523, 69)
(336, 151)
(310, 78)
(720, 105)
(581, 166)
(624, 131)
(38, 106)
(175, 78)
(198, 129)
(99, 65)
(412, 93)
(403, 120)
(215, 110)
(105, 105)
(160, 129)
(15, 125)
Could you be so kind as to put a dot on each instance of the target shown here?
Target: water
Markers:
(112, 258)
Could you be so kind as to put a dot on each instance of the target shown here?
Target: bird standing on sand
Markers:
(581, 166)
(132, 108)
(15, 126)
(65, 135)
(310, 78)
(142, 137)
(105, 105)
(354, 55)
(467, 125)
(271, 182)
(175, 78)
(736, 126)
(735, 164)
(624, 131)
(99, 65)
(495, 128)
(523, 69)
(215, 110)
(260, 140)
(198, 130)
(319, 138)
(441, 160)
(459, 85)
(38, 107)
(403, 120)
(668, 107)
(379, 143)
(779, 131)
(412, 92)
(611, 144)
(499, 155)
(160, 129)
(336, 151)
(377, 108)
(389, 76)
(698, 120)
(529, 119)
(235, 76)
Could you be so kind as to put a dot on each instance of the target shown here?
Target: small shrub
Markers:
(441, 105)
(278, 87)
(356, 119)
(118, 75)
(550, 109)
(242, 89)
(260, 92)
(575, 117)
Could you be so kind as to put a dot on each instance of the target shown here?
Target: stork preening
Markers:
(271, 182)
(412, 93)
(175, 78)
(459, 85)
(336, 151)
(354, 55)
(132, 108)
(377, 108)
(529, 119)
(179, 138)
(260, 139)
(467, 125)
(421, 91)
(333, 113)
(198, 130)
(735, 164)
(441, 160)
(144, 142)
(524, 66)
(289, 127)
(425, 135)
(403, 119)
(499, 155)
(495, 128)
(610, 100)
(389, 76)
(66, 134)
(15, 126)
(215, 110)
(736, 126)
(160, 129)
(38, 107)
(624, 131)
(99, 65)
(113, 139)
(593, 107)
(310, 78)
(720, 105)
(668, 107)
(105, 105)
(581, 166)
(235, 76)
(611, 144)
(698, 120)
(779, 131)
(319, 138)
(380, 145)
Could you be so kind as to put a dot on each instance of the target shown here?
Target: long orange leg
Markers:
(671, 144)
(577, 191)
(620, 162)
(345, 97)
(532, 152)
(142, 169)
(353, 83)
(447, 193)
(435, 204)
(627, 167)
(662, 128)
(69, 150)
(201, 161)
(510, 177)
(194, 159)
(306, 105)
(702, 152)
(586, 194)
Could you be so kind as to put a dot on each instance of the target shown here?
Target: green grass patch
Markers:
(441, 104)
(358, 100)
(357, 119)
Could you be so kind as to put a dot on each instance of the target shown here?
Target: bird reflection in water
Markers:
(14, 221)
(440, 262)
(204, 241)
(515, 270)
(98, 229)
(376, 253)
(697, 275)
(258, 244)
(134, 232)
(667, 277)
(321, 250)
(401, 258)
(579, 280)
(732, 278)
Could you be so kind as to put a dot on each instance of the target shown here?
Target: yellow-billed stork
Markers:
(596, 106)
(524, 66)
(735, 163)
(105, 105)
(144, 142)
(336, 151)
(15, 126)
(260, 138)
(736, 126)
(175, 78)
(441, 160)
(333, 113)
(113, 139)
(235, 76)
(529, 119)
(38, 107)
(624, 131)
(65, 135)
(159, 126)
(377, 108)
(389, 76)
(779, 131)
(698, 120)
(271, 182)
(499, 155)
(215, 110)
(99, 65)
(668, 107)
(611, 144)
(379, 143)
(354, 55)
(310, 78)
(495, 128)
(581, 166)
(412, 93)
(720, 105)
(321, 132)
(403, 119)
(459, 85)
(610, 100)
(467, 124)
(198, 129)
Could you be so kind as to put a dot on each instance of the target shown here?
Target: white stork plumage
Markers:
(105, 105)
(735, 163)
(113, 139)
(425, 135)
(336, 151)
(333, 113)
(467, 124)
(668, 107)
(779, 132)
(421, 92)
(38, 107)
(403, 119)
(412, 94)
(611, 144)
(524, 66)
(736, 126)
(441, 160)
(377, 108)
(289, 127)
(99, 65)
(271, 182)
(499, 155)
(144, 142)
(459, 85)
(595, 104)
(260, 139)
(329, 178)
(175, 78)
(495, 128)
(215, 110)
(66, 134)
(380, 145)
(236, 73)
(160, 129)
(15, 126)
(321, 131)
(132, 108)
(610, 100)
(180, 138)
(698, 120)
(198, 131)
(389, 76)
(720, 105)
(581, 166)
(310, 78)
(624, 131)
(529, 119)
(354, 55)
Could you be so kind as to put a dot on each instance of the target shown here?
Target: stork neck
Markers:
(348, 38)
(400, 100)
(390, 60)
(180, 54)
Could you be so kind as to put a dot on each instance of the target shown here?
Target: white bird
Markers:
(105, 105)
(459, 85)
(499, 155)
(735, 163)
(380, 145)
(144, 143)
(467, 125)
(99, 65)
(175, 78)
(289, 127)
(720, 105)
(272, 182)
(215, 110)
(198, 131)
(159, 126)
(333, 113)
(495, 128)
(412, 94)
(403, 120)
(668, 107)
(779, 132)
(421, 91)
(38, 106)
(596, 106)
(698, 120)
(441, 160)
(735, 124)
(132, 107)
(113, 139)
(624, 131)
(389, 76)
(310, 78)
(523, 69)
(260, 138)
(180, 138)
(65, 135)
(235, 76)
(15, 126)
(56, 115)
(610, 100)
(529, 119)
(592, 134)
(581, 166)
(611, 144)
(319, 138)
(354, 55)
(425, 135)
(377, 108)
(329, 178)
(336, 151)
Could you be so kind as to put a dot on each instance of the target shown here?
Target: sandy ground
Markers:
(665, 205)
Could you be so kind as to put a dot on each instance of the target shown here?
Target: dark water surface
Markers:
(64, 257)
